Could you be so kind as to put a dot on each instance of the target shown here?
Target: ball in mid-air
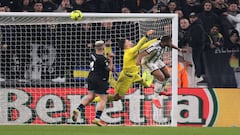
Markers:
(76, 15)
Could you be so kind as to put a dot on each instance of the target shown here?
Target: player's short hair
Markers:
(166, 38)
(99, 44)
(121, 43)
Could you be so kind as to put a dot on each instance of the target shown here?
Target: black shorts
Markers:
(98, 86)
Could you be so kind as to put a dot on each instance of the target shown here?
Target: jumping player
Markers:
(153, 62)
(130, 71)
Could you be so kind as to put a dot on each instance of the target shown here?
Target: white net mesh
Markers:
(45, 65)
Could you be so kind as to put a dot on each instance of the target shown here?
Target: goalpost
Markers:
(45, 66)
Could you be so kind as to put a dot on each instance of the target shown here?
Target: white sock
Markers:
(155, 95)
(157, 88)
(166, 80)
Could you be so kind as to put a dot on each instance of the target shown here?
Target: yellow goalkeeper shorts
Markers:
(125, 81)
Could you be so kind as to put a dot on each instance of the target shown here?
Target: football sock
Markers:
(98, 114)
(157, 88)
(81, 107)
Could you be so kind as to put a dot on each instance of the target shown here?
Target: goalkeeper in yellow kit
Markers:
(130, 71)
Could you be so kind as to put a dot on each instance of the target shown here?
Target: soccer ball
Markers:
(76, 15)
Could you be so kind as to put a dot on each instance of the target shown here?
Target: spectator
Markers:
(179, 12)
(3, 52)
(234, 40)
(25, 5)
(186, 58)
(235, 19)
(3, 62)
(233, 16)
(164, 2)
(2, 48)
(208, 17)
(162, 6)
(219, 7)
(125, 10)
(183, 35)
(3, 9)
(183, 77)
(38, 6)
(79, 5)
(171, 6)
(49, 6)
(10, 5)
(197, 42)
(183, 81)
(16, 51)
(156, 9)
(191, 6)
(62, 51)
(227, 22)
(232, 8)
(215, 37)
(65, 6)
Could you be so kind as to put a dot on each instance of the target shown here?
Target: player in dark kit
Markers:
(97, 82)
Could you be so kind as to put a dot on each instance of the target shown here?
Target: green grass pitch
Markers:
(113, 130)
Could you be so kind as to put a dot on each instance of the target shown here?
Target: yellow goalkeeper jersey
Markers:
(130, 55)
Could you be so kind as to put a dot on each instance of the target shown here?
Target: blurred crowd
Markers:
(220, 19)
(203, 24)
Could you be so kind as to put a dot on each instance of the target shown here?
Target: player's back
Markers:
(98, 67)
(155, 52)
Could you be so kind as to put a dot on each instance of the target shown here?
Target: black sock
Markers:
(81, 107)
(98, 114)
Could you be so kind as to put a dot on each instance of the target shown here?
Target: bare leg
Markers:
(100, 108)
(158, 74)
(88, 98)
(102, 103)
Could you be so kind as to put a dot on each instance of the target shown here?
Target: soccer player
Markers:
(97, 82)
(130, 71)
(153, 61)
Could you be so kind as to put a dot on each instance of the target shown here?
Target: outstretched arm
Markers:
(149, 43)
(141, 41)
(179, 49)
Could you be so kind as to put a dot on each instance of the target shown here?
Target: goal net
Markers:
(44, 66)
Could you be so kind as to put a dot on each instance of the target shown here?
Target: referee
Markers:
(97, 82)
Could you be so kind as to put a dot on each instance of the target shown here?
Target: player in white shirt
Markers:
(153, 61)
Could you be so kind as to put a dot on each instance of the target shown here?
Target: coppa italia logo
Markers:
(197, 107)
(54, 106)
